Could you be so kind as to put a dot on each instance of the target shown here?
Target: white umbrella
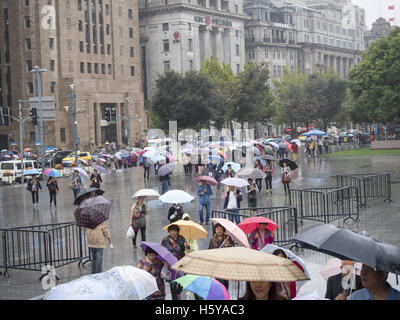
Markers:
(81, 172)
(297, 141)
(253, 173)
(274, 144)
(148, 193)
(236, 182)
(176, 196)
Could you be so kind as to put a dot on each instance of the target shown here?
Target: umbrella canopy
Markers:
(52, 173)
(100, 169)
(170, 158)
(283, 146)
(118, 283)
(4, 151)
(333, 267)
(83, 194)
(314, 132)
(235, 166)
(297, 141)
(236, 182)
(208, 180)
(84, 161)
(291, 164)
(157, 158)
(92, 212)
(248, 225)
(32, 172)
(256, 151)
(215, 158)
(268, 157)
(81, 172)
(274, 144)
(148, 193)
(239, 264)
(263, 163)
(348, 245)
(205, 287)
(233, 231)
(165, 169)
(189, 229)
(251, 173)
(176, 196)
(105, 155)
(27, 149)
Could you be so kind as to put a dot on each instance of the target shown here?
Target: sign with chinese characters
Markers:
(213, 22)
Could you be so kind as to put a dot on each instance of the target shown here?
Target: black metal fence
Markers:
(326, 204)
(35, 247)
(369, 186)
(285, 217)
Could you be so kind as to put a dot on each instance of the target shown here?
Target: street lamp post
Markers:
(128, 119)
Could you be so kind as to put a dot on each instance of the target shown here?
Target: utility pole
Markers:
(21, 138)
(128, 119)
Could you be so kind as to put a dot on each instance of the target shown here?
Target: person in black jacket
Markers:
(165, 183)
(34, 187)
(175, 213)
(95, 179)
(232, 202)
(53, 189)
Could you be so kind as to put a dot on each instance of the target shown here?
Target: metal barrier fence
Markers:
(35, 247)
(326, 204)
(285, 217)
(370, 186)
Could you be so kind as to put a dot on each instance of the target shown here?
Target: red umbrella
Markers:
(209, 180)
(250, 224)
(141, 152)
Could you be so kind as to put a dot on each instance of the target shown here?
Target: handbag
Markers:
(130, 233)
(286, 178)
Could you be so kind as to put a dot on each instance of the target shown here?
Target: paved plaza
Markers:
(381, 220)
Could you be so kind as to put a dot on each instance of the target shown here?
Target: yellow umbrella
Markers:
(239, 264)
(189, 230)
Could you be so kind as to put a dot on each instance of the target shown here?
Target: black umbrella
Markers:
(291, 164)
(82, 195)
(348, 245)
(268, 157)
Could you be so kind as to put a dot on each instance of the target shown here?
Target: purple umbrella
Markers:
(164, 255)
(165, 169)
(100, 169)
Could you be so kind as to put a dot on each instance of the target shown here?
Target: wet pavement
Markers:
(381, 220)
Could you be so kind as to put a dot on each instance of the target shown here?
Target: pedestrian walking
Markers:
(154, 266)
(258, 165)
(95, 179)
(146, 166)
(76, 183)
(175, 213)
(286, 177)
(260, 237)
(137, 220)
(251, 191)
(186, 161)
(326, 145)
(295, 150)
(96, 239)
(281, 153)
(233, 197)
(176, 244)
(193, 245)
(319, 145)
(229, 173)
(204, 192)
(165, 182)
(312, 147)
(34, 187)
(269, 171)
(52, 186)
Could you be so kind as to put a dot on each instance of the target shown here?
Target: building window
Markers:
(132, 51)
(82, 67)
(28, 44)
(132, 71)
(130, 14)
(237, 50)
(52, 87)
(131, 33)
(107, 9)
(81, 48)
(80, 25)
(62, 134)
(80, 5)
(236, 8)
(103, 68)
(189, 27)
(27, 3)
(165, 27)
(51, 43)
(30, 87)
(167, 66)
(27, 21)
(237, 68)
(96, 68)
(108, 29)
(237, 33)
(52, 64)
(190, 45)
(166, 45)
(190, 64)
(109, 69)
(29, 65)
(89, 67)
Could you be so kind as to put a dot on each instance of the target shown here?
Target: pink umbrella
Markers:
(209, 180)
(333, 267)
(250, 224)
(233, 231)
(105, 155)
(171, 158)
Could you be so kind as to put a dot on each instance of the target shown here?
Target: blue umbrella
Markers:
(4, 150)
(214, 158)
(235, 166)
(157, 157)
(314, 132)
(263, 162)
(32, 172)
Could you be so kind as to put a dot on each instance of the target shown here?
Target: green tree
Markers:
(375, 82)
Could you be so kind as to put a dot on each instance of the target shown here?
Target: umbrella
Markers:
(297, 141)
(84, 161)
(52, 173)
(333, 267)
(214, 158)
(233, 231)
(283, 145)
(205, 287)
(100, 169)
(171, 158)
(148, 193)
(274, 144)
(32, 172)
(208, 179)
(83, 193)
(270, 248)
(27, 149)
(239, 264)
(189, 229)
(157, 158)
(256, 151)
(236, 182)
(348, 245)
(105, 155)
(81, 172)
(4, 151)
(163, 254)
(165, 169)
(101, 160)
(118, 283)
(92, 212)
(176, 196)
(141, 152)
(291, 164)
(314, 132)
(268, 157)
(251, 173)
(248, 225)
(263, 163)
(235, 166)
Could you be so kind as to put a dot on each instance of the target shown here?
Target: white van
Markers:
(13, 169)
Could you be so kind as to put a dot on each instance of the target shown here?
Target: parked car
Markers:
(59, 156)
(13, 169)
(70, 159)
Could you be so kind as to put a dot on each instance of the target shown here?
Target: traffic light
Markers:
(33, 115)
(107, 115)
(114, 115)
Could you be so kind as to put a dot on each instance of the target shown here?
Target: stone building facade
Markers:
(92, 44)
(380, 28)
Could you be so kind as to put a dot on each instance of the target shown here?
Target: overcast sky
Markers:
(379, 8)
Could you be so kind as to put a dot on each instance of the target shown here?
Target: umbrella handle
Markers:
(224, 241)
